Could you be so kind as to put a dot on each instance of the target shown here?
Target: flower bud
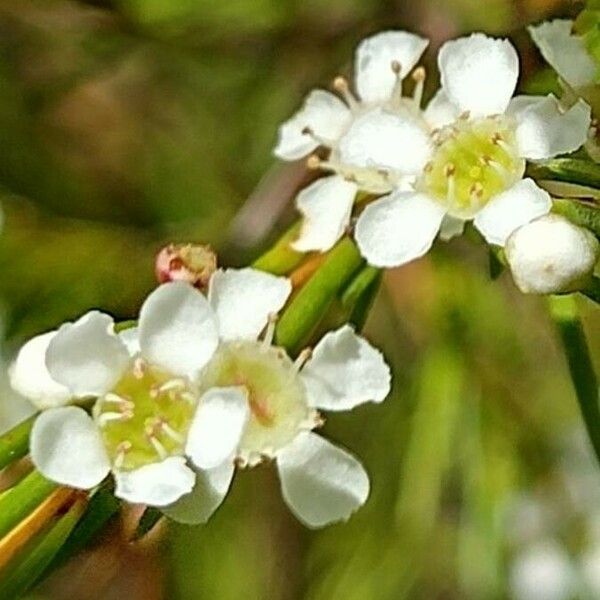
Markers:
(551, 255)
(193, 263)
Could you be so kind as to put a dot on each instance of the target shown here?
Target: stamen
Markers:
(172, 384)
(418, 76)
(475, 192)
(449, 171)
(317, 138)
(139, 368)
(188, 397)
(396, 97)
(267, 340)
(340, 85)
(122, 449)
(302, 358)
(172, 433)
(106, 417)
(112, 398)
(158, 447)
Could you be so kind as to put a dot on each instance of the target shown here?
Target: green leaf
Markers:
(572, 170)
(280, 259)
(358, 297)
(563, 310)
(25, 571)
(312, 301)
(580, 213)
(15, 442)
(18, 502)
(497, 261)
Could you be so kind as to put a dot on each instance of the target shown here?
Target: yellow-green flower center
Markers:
(472, 162)
(276, 394)
(146, 417)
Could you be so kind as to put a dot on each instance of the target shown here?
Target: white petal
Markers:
(131, 338)
(66, 446)
(451, 227)
(87, 356)
(564, 51)
(217, 426)
(326, 206)
(156, 484)
(324, 114)
(543, 131)
(320, 482)
(345, 371)
(30, 377)
(380, 139)
(440, 111)
(208, 494)
(398, 228)
(243, 300)
(506, 212)
(479, 73)
(375, 77)
(177, 329)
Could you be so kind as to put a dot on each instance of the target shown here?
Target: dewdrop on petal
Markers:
(551, 255)
(192, 263)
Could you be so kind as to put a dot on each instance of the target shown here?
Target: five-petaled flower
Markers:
(476, 163)
(192, 391)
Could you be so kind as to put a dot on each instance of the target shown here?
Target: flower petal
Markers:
(543, 131)
(243, 300)
(324, 114)
(177, 329)
(326, 206)
(29, 375)
(217, 426)
(440, 111)
(564, 51)
(320, 482)
(380, 139)
(398, 228)
(345, 371)
(131, 338)
(506, 212)
(87, 356)
(479, 73)
(66, 446)
(451, 227)
(375, 76)
(208, 494)
(156, 484)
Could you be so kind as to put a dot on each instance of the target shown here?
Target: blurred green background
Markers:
(125, 124)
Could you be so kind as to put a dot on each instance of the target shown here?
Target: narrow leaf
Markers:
(580, 213)
(572, 170)
(15, 442)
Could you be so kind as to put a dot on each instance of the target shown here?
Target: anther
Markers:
(476, 190)
(309, 131)
(464, 116)
(313, 162)
(302, 358)
(396, 97)
(428, 167)
(340, 85)
(449, 170)
(418, 76)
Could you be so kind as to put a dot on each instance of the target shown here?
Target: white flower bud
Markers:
(551, 255)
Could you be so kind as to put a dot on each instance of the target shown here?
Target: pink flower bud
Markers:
(193, 263)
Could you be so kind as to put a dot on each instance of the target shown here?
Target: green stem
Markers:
(15, 443)
(280, 259)
(572, 170)
(563, 310)
(305, 311)
(18, 502)
(580, 213)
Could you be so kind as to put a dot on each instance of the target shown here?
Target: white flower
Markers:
(474, 170)
(194, 391)
(551, 255)
(320, 482)
(144, 385)
(365, 136)
(565, 52)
